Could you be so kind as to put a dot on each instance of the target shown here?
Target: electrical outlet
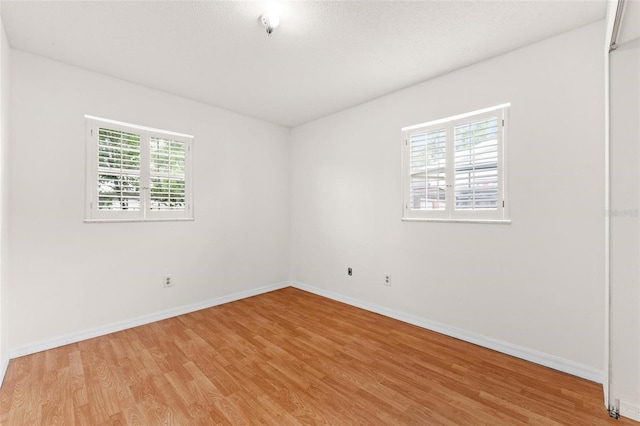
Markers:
(167, 281)
(387, 279)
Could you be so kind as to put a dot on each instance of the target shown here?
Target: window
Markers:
(137, 173)
(453, 169)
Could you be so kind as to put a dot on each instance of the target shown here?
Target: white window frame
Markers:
(449, 213)
(92, 214)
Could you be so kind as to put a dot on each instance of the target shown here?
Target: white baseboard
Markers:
(527, 354)
(531, 355)
(135, 322)
(630, 411)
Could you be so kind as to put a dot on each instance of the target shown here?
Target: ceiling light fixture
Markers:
(271, 20)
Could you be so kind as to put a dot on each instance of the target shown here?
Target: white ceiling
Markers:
(326, 56)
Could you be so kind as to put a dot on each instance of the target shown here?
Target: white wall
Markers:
(67, 276)
(537, 283)
(4, 216)
(625, 208)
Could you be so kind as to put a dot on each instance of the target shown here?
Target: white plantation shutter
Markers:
(167, 175)
(454, 168)
(476, 164)
(118, 170)
(137, 173)
(427, 170)
(417, 172)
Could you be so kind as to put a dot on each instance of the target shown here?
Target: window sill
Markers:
(485, 221)
(167, 219)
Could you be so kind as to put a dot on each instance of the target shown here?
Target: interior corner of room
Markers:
(315, 202)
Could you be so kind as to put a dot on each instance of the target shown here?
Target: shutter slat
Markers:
(427, 161)
(167, 175)
(476, 165)
(118, 170)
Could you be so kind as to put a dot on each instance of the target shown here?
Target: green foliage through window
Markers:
(167, 174)
(137, 173)
(118, 170)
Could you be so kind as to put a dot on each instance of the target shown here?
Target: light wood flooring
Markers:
(286, 358)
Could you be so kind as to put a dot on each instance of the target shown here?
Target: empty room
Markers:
(320, 212)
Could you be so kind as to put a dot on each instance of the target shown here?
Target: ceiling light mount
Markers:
(271, 20)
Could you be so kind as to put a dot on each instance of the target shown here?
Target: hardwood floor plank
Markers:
(288, 358)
